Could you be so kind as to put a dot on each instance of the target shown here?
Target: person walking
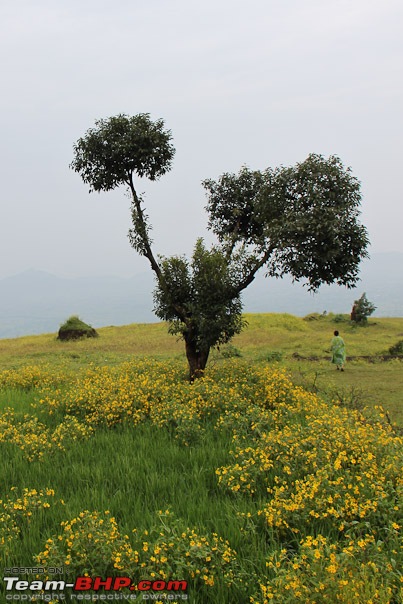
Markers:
(338, 349)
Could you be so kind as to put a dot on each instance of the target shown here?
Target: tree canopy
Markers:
(301, 220)
(116, 148)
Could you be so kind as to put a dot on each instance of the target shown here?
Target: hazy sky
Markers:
(261, 83)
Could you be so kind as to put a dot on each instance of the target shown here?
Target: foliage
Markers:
(171, 548)
(204, 289)
(312, 490)
(361, 310)
(17, 512)
(324, 571)
(29, 362)
(35, 439)
(28, 377)
(90, 543)
(339, 318)
(274, 355)
(397, 349)
(117, 147)
(230, 351)
(301, 221)
(74, 328)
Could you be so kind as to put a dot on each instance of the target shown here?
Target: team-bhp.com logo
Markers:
(170, 590)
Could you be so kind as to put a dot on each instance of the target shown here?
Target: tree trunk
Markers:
(197, 360)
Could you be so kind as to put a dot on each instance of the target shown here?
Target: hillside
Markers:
(300, 345)
(255, 480)
(36, 302)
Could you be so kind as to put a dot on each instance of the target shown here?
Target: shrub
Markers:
(17, 512)
(338, 318)
(74, 329)
(91, 541)
(361, 310)
(230, 352)
(397, 348)
(275, 355)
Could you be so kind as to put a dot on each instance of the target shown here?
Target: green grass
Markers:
(362, 384)
(264, 331)
(135, 470)
(115, 344)
(379, 381)
(132, 474)
(374, 380)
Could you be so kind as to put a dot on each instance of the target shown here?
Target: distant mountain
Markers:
(36, 302)
(381, 278)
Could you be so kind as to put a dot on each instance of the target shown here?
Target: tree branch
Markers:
(142, 232)
(247, 280)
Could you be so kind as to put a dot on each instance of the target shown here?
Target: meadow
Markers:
(273, 479)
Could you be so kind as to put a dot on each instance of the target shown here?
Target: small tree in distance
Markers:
(301, 221)
(362, 309)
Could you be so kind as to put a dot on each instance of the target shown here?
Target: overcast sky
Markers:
(258, 83)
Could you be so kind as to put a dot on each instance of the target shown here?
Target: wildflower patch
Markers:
(312, 490)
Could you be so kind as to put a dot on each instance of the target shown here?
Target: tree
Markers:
(362, 309)
(206, 291)
(301, 221)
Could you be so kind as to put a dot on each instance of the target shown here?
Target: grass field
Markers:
(273, 479)
(301, 345)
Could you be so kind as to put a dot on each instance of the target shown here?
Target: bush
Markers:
(361, 310)
(338, 318)
(230, 352)
(397, 348)
(74, 329)
(274, 355)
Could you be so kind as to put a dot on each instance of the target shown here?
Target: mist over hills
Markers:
(381, 278)
(35, 302)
